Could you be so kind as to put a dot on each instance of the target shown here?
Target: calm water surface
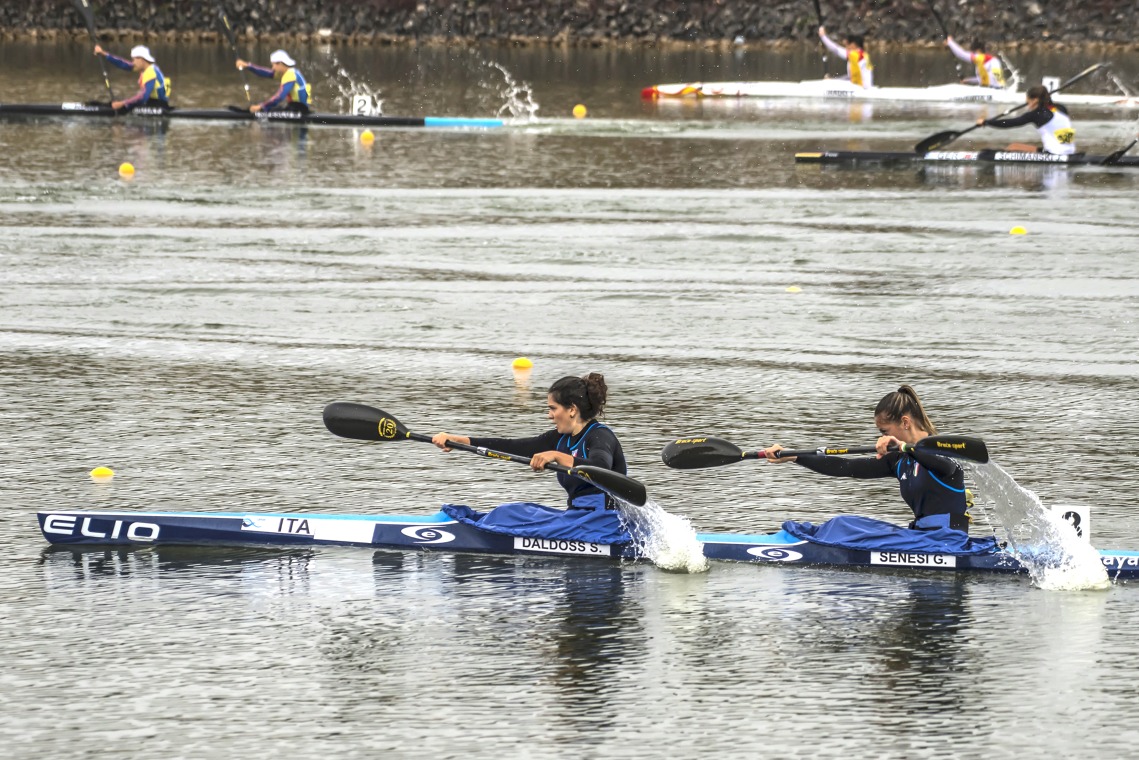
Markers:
(187, 328)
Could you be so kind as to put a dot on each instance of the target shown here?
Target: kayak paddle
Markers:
(366, 423)
(695, 453)
(1113, 158)
(937, 18)
(233, 46)
(89, 17)
(941, 139)
(819, 17)
(944, 31)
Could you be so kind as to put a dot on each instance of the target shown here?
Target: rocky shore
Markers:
(583, 22)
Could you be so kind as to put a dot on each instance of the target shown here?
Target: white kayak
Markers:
(840, 89)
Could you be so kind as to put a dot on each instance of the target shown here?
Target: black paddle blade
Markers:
(933, 142)
(1113, 158)
(960, 446)
(363, 423)
(624, 488)
(694, 453)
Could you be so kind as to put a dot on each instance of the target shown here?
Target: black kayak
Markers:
(102, 110)
(985, 156)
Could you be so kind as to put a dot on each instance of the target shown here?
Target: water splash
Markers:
(519, 100)
(347, 87)
(1123, 88)
(668, 540)
(1056, 558)
(1013, 81)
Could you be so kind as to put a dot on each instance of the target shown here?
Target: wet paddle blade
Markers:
(613, 483)
(1113, 158)
(363, 423)
(933, 142)
(694, 453)
(959, 446)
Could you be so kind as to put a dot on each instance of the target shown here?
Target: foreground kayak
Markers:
(839, 89)
(986, 156)
(84, 110)
(439, 532)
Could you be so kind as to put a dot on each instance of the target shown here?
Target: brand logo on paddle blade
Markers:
(387, 428)
(690, 440)
(426, 535)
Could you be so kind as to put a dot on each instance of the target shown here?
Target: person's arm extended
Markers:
(260, 71)
(959, 51)
(1032, 117)
(863, 468)
(836, 49)
(521, 447)
(122, 63)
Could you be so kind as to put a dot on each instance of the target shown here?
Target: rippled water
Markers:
(188, 327)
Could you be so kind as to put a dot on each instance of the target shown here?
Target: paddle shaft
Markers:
(937, 17)
(490, 453)
(89, 18)
(944, 31)
(942, 139)
(233, 46)
(819, 18)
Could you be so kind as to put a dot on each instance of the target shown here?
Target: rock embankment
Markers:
(586, 22)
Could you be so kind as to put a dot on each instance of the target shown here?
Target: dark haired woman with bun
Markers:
(932, 485)
(573, 404)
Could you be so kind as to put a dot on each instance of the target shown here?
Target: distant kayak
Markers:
(840, 89)
(86, 110)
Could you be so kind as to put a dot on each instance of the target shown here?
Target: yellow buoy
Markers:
(126, 169)
(579, 111)
(794, 289)
(521, 363)
(367, 138)
(1018, 230)
(102, 473)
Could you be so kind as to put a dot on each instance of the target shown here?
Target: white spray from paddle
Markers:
(519, 104)
(1056, 558)
(668, 540)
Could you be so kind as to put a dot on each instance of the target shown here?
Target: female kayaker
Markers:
(1050, 119)
(859, 70)
(573, 404)
(932, 485)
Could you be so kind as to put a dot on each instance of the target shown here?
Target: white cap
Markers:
(143, 52)
(280, 56)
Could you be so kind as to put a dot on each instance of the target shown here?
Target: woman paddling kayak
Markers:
(1050, 119)
(573, 405)
(932, 485)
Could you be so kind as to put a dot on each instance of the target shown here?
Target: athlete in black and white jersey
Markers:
(573, 405)
(932, 485)
(1051, 120)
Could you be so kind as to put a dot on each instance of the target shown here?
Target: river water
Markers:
(187, 327)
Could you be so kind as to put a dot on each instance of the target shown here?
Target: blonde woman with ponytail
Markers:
(932, 485)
